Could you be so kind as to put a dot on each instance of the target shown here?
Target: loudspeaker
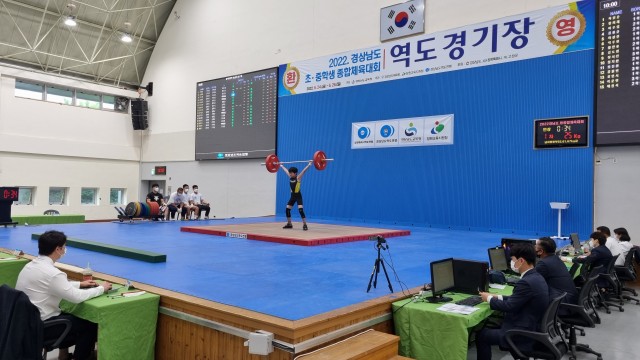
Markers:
(139, 114)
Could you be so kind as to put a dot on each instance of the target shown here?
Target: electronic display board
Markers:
(9, 193)
(236, 116)
(561, 132)
(618, 73)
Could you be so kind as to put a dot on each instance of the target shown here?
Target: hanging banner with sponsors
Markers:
(546, 32)
(418, 131)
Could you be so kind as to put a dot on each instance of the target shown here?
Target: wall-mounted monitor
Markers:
(561, 132)
(617, 72)
(236, 116)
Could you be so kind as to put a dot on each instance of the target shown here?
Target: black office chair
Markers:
(548, 343)
(583, 314)
(51, 212)
(612, 297)
(22, 331)
(627, 273)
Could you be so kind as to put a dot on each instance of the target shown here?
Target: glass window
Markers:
(25, 196)
(59, 95)
(116, 196)
(122, 104)
(57, 196)
(89, 196)
(29, 90)
(88, 100)
(108, 102)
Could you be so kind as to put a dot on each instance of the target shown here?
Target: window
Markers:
(116, 196)
(25, 196)
(88, 100)
(57, 195)
(89, 196)
(59, 95)
(108, 102)
(29, 90)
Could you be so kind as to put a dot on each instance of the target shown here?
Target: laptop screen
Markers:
(498, 259)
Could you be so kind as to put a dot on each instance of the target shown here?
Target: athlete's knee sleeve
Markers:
(301, 211)
(288, 212)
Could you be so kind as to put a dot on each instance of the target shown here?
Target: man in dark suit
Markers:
(599, 255)
(523, 309)
(554, 271)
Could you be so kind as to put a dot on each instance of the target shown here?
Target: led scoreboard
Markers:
(563, 132)
(9, 193)
(236, 116)
(618, 73)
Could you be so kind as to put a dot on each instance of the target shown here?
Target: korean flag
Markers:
(402, 20)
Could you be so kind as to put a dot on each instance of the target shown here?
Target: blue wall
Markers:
(490, 179)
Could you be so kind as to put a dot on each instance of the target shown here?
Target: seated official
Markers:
(156, 196)
(612, 244)
(46, 285)
(197, 200)
(523, 309)
(178, 202)
(624, 244)
(554, 271)
(599, 255)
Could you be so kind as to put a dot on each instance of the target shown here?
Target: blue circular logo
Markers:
(364, 132)
(386, 131)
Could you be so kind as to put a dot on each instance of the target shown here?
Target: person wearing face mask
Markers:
(622, 235)
(196, 199)
(554, 271)
(46, 285)
(156, 196)
(523, 309)
(193, 212)
(612, 244)
(178, 202)
(599, 255)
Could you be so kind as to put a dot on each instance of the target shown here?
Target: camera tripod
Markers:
(376, 269)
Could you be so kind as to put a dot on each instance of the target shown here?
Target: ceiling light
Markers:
(70, 21)
(126, 38)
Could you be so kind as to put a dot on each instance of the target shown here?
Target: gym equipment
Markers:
(139, 210)
(319, 160)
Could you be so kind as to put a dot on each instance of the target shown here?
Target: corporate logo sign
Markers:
(419, 131)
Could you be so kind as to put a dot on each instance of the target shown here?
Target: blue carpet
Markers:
(287, 281)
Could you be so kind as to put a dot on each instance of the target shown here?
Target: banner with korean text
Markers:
(417, 131)
(546, 32)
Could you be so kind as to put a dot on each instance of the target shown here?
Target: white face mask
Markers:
(195, 191)
(64, 251)
(156, 189)
(513, 267)
(591, 245)
(186, 190)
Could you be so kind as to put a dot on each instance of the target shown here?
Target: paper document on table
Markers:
(458, 309)
(9, 258)
(133, 293)
(497, 286)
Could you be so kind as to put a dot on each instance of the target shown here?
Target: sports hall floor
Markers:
(291, 281)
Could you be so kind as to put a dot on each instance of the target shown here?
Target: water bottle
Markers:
(87, 273)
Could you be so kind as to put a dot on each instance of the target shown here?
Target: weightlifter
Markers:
(296, 195)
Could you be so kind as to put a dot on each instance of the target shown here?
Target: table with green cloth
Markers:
(126, 325)
(10, 268)
(428, 333)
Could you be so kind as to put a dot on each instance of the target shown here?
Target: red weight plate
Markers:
(271, 163)
(155, 208)
(318, 160)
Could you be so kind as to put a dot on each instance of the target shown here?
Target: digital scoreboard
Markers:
(618, 73)
(236, 116)
(562, 132)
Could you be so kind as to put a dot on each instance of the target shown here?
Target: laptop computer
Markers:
(498, 262)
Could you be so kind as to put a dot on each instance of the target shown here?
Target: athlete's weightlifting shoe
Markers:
(288, 226)
(304, 227)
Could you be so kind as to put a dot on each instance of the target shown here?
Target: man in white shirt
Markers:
(46, 285)
(178, 202)
(196, 199)
(612, 244)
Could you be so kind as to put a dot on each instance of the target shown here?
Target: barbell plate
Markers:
(319, 160)
(272, 163)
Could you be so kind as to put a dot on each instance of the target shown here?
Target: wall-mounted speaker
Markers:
(139, 114)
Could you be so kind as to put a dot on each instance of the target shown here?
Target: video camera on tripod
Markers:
(381, 241)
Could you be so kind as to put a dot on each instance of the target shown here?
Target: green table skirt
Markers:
(9, 269)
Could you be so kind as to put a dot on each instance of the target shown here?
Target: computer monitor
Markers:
(575, 241)
(470, 276)
(506, 243)
(442, 278)
(498, 258)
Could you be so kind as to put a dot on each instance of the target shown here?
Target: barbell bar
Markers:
(319, 161)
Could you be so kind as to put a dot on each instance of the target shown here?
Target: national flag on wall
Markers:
(401, 20)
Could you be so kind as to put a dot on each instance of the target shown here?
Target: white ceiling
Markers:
(33, 34)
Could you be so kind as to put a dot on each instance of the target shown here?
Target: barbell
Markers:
(319, 161)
